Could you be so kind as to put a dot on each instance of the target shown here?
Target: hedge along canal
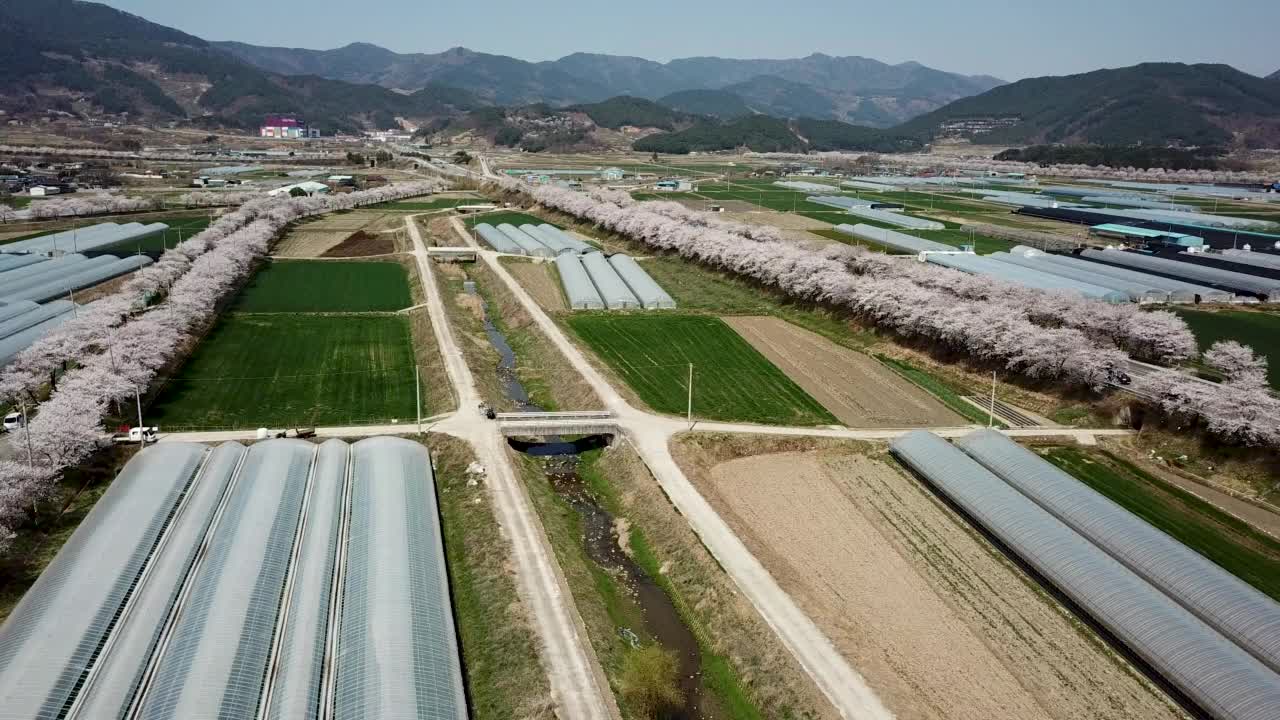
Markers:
(561, 460)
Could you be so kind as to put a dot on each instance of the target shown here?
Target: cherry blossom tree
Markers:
(1238, 363)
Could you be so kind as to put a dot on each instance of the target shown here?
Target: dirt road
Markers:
(855, 388)
(940, 624)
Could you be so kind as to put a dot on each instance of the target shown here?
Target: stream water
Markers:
(600, 538)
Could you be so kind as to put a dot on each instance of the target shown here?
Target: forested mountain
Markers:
(1274, 76)
(767, 134)
(1151, 104)
(715, 103)
(87, 58)
(843, 88)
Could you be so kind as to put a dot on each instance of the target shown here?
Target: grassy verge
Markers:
(1249, 554)
(499, 649)
(939, 388)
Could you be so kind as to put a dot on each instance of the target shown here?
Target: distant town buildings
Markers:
(287, 127)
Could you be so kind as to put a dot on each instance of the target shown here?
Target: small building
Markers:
(285, 127)
(44, 190)
(612, 174)
(308, 188)
(673, 185)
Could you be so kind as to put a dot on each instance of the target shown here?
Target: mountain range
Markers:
(84, 59)
(851, 89)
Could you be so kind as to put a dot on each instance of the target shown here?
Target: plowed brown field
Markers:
(940, 624)
(855, 388)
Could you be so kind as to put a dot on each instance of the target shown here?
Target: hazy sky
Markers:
(1005, 38)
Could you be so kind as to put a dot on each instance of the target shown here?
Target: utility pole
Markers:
(417, 394)
(991, 415)
(690, 407)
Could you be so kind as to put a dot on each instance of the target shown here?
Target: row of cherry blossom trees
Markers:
(1042, 335)
(84, 204)
(115, 346)
(216, 199)
(146, 154)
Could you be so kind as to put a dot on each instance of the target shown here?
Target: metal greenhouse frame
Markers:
(614, 292)
(1213, 672)
(647, 291)
(578, 288)
(1228, 604)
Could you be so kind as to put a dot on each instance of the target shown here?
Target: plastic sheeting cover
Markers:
(1198, 273)
(40, 314)
(49, 268)
(1224, 601)
(568, 239)
(554, 242)
(61, 286)
(398, 653)
(1176, 288)
(498, 240)
(1136, 292)
(614, 292)
(578, 288)
(645, 288)
(528, 243)
(893, 239)
(51, 639)
(1217, 674)
(898, 219)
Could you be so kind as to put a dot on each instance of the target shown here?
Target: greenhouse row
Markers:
(873, 186)
(544, 240)
(1194, 218)
(286, 580)
(895, 218)
(1135, 202)
(804, 186)
(26, 322)
(893, 239)
(592, 282)
(63, 278)
(1121, 574)
(842, 202)
(1140, 287)
(1235, 282)
(84, 239)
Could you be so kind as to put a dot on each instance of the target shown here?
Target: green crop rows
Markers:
(731, 380)
(326, 286)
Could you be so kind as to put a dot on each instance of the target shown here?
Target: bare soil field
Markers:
(938, 621)
(439, 231)
(362, 244)
(307, 243)
(855, 388)
(352, 221)
(541, 280)
(317, 239)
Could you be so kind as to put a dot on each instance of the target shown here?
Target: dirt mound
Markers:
(362, 244)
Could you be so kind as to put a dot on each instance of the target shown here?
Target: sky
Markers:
(1010, 40)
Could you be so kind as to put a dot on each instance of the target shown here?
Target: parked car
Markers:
(13, 421)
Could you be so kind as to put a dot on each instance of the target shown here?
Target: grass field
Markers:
(292, 286)
(1259, 330)
(497, 218)
(428, 205)
(732, 381)
(294, 371)
(1251, 555)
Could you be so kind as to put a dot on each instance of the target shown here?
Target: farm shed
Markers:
(1228, 604)
(1026, 277)
(527, 243)
(566, 238)
(894, 239)
(614, 292)
(1239, 283)
(647, 291)
(86, 274)
(578, 288)
(1139, 293)
(893, 218)
(498, 240)
(1213, 672)
(229, 544)
(1179, 291)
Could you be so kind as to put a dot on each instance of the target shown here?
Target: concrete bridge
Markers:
(542, 424)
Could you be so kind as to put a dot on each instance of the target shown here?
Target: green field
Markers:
(293, 371)
(1251, 555)
(497, 218)
(731, 380)
(428, 205)
(293, 286)
(1259, 330)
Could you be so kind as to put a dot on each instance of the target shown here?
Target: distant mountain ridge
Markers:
(852, 89)
(1146, 104)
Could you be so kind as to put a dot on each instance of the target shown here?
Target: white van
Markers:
(13, 421)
